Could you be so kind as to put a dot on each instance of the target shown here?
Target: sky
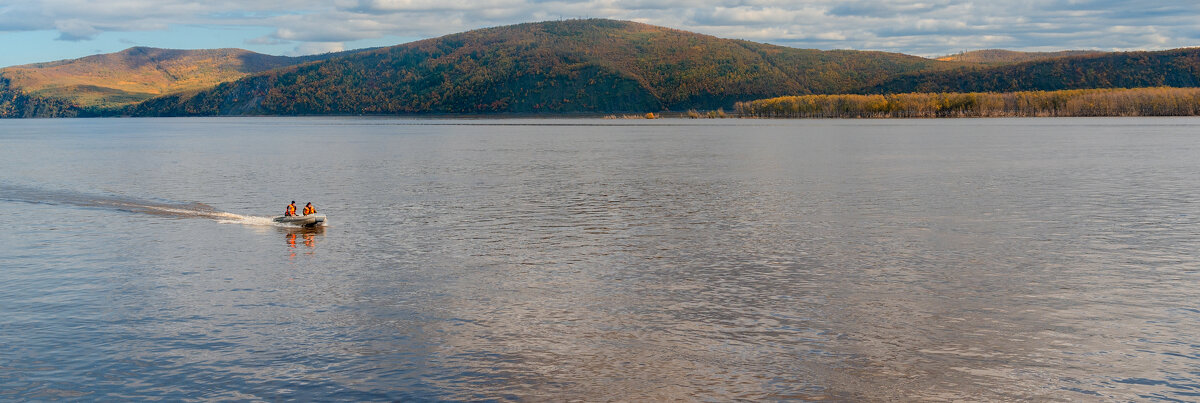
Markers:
(46, 30)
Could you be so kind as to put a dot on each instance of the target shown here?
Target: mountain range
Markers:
(571, 66)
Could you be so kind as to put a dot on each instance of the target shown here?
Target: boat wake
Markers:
(231, 218)
(25, 194)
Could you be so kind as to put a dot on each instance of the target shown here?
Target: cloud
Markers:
(754, 16)
(426, 6)
(318, 28)
(312, 48)
(654, 4)
(928, 27)
(265, 40)
(75, 30)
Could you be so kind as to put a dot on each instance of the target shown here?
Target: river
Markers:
(561, 259)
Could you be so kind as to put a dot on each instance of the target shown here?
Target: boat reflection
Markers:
(308, 236)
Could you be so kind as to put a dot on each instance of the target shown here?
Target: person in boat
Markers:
(290, 210)
(309, 209)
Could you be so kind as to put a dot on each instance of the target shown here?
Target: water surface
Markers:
(975, 259)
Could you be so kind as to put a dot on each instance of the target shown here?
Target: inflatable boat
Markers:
(310, 220)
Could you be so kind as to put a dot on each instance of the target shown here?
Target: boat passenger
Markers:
(290, 210)
(309, 209)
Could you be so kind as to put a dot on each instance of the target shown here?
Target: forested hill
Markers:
(1001, 56)
(17, 104)
(1170, 68)
(593, 65)
(137, 74)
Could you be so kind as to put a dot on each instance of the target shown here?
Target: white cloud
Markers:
(75, 30)
(265, 40)
(424, 6)
(928, 27)
(312, 48)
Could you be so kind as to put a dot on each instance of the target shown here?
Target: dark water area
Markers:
(846, 260)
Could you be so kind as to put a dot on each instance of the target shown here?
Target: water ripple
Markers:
(948, 260)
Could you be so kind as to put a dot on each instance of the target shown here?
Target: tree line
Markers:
(1160, 101)
(16, 104)
(1178, 68)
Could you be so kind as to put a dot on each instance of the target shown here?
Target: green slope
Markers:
(591, 65)
(1170, 68)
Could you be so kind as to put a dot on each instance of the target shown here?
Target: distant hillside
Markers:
(591, 65)
(1171, 68)
(1091, 102)
(573, 66)
(139, 73)
(17, 104)
(1001, 56)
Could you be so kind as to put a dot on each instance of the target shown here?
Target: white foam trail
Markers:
(220, 216)
(132, 205)
(231, 218)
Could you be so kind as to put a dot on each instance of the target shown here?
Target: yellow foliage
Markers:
(1159, 101)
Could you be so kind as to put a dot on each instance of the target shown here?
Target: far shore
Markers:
(1115, 102)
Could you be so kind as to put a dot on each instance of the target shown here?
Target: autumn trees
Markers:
(1162, 101)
